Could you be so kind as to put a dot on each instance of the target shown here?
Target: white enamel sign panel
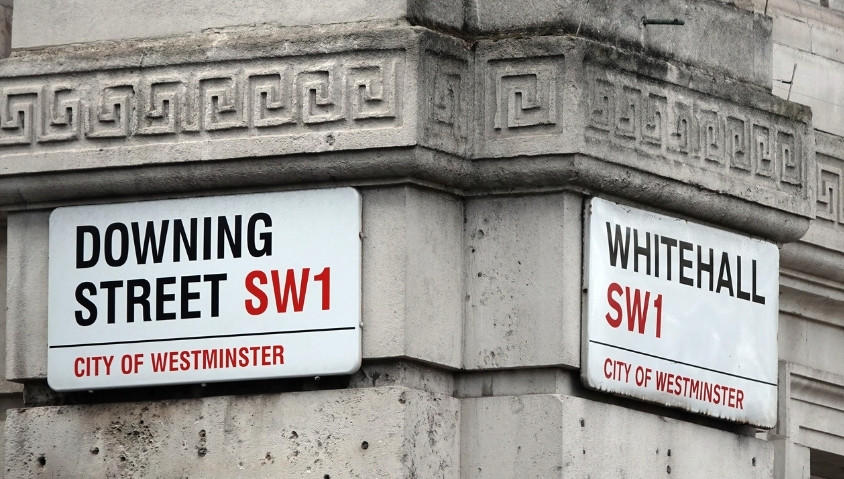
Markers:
(680, 314)
(205, 289)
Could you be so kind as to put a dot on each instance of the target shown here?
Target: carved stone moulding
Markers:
(559, 95)
(809, 401)
(310, 100)
(543, 103)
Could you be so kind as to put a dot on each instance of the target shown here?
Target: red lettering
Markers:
(158, 362)
(77, 370)
(278, 354)
(658, 305)
(637, 308)
(290, 291)
(259, 294)
(616, 321)
(608, 372)
(325, 279)
(185, 357)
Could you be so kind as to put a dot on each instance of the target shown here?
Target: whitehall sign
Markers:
(205, 289)
(680, 314)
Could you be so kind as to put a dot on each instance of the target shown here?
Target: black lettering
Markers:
(81, 231)
(266, 237)
(725, 277)
(161, 298)
(133, 299)
(703, 267)
(180, 237)
(641, 251)
(225, 235)
(123, 251)
(669, 243)
(215, 279)
(86, 303)
(616, 246)
(685, 263)
(206, 237)
(149, 241)
(188, 295)
(739, 293)
(656, 255)
(110, 287)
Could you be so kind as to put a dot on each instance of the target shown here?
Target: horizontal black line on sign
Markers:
(684, 364)
(161, 340)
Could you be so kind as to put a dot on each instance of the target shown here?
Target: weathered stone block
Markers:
(563, 436)
(817, 83)
(26, 295)
(412, 275)
(810, 407)
(523, 263)
(712, 34)
(551, 111)
(5, 386)
(73, 21)
(387, 432)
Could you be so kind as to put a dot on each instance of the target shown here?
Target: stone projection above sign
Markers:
(205, 289)
(680, 314)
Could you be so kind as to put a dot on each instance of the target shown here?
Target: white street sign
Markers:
(680, 314)
(205, 289)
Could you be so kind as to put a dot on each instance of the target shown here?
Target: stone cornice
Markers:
(389, 102)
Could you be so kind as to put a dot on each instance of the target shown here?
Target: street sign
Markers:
(680, 314)
(205, 289)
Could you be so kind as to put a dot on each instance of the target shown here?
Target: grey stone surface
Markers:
(74, 21)
(412, 275)
(810, 405)
(562, 436)
(5, 29)
(235, 96)
(5, 386)
(715, 35)
(516, 382)
(413, 375)
(314, 434)
(522, 301)
(26, 293)
(816, 84)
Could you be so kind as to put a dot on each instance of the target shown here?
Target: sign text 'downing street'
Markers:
(204, 289)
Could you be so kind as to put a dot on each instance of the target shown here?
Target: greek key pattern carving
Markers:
(830, 186)
(447, 93)
(683, 126)
(281, 96)
(524, 95)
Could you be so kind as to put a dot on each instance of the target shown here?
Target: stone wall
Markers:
(475, 134)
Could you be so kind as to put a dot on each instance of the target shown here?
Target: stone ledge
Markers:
(420, 166)
(810, 403)
(235, 95)
(408, 433)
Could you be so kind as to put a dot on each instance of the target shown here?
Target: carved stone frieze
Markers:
(810, 401)
(659, 126)
(548, 97)
(292, 96)
(827, 231)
